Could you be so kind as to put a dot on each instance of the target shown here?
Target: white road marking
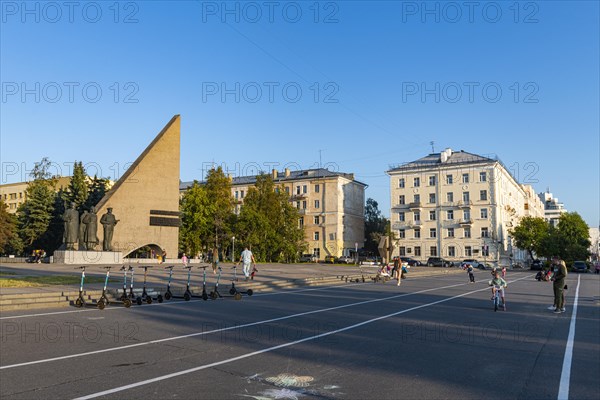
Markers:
(565, 376)
(223, 329)
(270, 349)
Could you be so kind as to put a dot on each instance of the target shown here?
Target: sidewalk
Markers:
(268, 278)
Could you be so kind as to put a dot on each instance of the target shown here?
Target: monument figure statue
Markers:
(71, 218)
(82, 228)
(91, 230)
(108, 222)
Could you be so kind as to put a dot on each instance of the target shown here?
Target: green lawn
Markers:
(35, 281)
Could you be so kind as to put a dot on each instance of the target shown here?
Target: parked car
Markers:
(537, 265)
(308, 258)
(330, 260)
(438, 262)
(580, 266)
(346, 260)
(473, 262)
(410, 261)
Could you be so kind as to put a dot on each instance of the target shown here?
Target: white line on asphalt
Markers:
(565, 376)
(222, 329)
(267, 350)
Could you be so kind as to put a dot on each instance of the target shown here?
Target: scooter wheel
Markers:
(204, 296)
(101, 305)
(213, 295)
(138, 301)
(79, 303)
(168, 296)
(186, 296)
(250, 292)
(232, 291)
(149, 300)
(127, 303)
(237, 296)
(159, 298)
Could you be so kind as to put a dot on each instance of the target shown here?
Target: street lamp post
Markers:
(233, 249)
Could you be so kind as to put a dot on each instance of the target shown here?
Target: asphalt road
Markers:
(430, 338)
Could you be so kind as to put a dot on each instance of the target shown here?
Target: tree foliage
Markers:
(375, 225)
(10, 242)
(195, 207)
(531, 235)
(77, 191)
(97, 189)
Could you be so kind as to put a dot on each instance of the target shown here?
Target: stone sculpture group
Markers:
(82, 229)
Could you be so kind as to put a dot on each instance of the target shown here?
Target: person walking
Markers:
(559, 286)
(247, 259)
(185, 260)
(470, 272)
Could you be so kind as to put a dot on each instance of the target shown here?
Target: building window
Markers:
(417, 216)
(450, 215)
(468, 251)
(401, 199)
(402, 251)
(301, 222)
(466, 215)
(450, 232)
(236, 194)
(465, 178)
(432, 215)
(483, 177)
(401, 233)
(466, 197)
(332, 236)
(401, 216)
(417, 251)
(432, 232)
(484, 232)
(449, 197)
(467, 233)
(401, 183)
(242, 194)
(433, 251)
(432, 180)
(417, 233)
(304, 189)
(484, 213)
(416, 182)
(417, 198)
(287, 190)
(316, 219)
(317, 252)
(317, 204)
(303, 204)
(431, 198)
(483, 195)
(317, 188)
(451, 251)
(449, 179)
(297, 189)
(485, 250)
(316, 235)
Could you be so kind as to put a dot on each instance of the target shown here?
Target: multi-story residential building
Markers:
(14, 194)
(331, 206)
(457, 205)
(552, 207)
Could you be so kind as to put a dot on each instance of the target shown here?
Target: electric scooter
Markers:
(145, 296)
(131, 294)
(187, 296)
(204, 294)
(168, 293)
(215, 293)
(80, 301)
(233, 290)
(103, 300)
(124, 298)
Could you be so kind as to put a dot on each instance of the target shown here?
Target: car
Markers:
(580, 266)
(438, 262)
(473, 262)
(536, 265)
(308, 258)
(330, 260)
(346, 260)
(410, 261)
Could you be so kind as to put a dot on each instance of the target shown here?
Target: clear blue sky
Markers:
(379, 81)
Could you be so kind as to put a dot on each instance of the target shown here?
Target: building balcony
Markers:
(298, 196)
(401, 225)
(415, 205)
(400, 206)
(302, 211)
(465, 203)
(467, 221)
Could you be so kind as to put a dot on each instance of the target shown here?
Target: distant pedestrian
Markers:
(471, 274)
(215, 260)
(503, 272)
(247, 258)
(560, 275)
(163, 257)
(185, 260)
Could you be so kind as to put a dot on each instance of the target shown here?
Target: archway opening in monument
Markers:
(149, 251)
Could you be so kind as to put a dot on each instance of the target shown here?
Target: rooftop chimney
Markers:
(274, 174)
(287, 172)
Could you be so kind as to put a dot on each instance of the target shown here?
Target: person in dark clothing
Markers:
(560, 275)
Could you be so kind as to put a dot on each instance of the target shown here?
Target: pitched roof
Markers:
(436, 159)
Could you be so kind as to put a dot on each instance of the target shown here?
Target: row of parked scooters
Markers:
(128, 296)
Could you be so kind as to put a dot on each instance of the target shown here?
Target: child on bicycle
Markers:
(498, 282)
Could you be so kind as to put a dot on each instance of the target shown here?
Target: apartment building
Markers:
(14, 194)
(331, 206)
(552, 207)
(458, 205)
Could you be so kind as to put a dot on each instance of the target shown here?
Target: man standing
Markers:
(108, 222)
(91, 222)
(247, 258)
(560, 275)
(71, 218)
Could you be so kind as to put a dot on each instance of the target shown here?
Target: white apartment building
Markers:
(331, 206)
(458, 205)
(552, 207)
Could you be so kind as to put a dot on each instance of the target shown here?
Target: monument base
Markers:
(85, 257)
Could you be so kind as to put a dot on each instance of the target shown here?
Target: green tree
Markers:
(10, 243)
(221, 215)
(532, 235)
(97, 190)
(375, 226)
(77, 191)
(195, 207)
(574, 237)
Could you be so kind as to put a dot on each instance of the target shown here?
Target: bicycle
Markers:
(497, 299)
